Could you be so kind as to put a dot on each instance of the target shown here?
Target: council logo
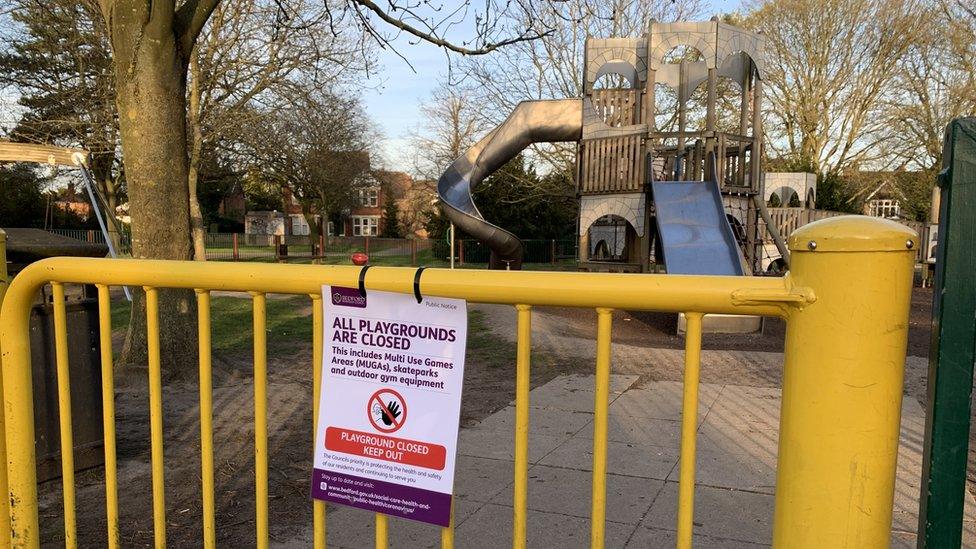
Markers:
(348, 297)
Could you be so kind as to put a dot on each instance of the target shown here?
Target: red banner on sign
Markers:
(397, 450)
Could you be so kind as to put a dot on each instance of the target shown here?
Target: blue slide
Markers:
(695, 234)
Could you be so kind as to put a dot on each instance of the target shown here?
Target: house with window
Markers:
(290, 221)
(366, 217)
(879, 194)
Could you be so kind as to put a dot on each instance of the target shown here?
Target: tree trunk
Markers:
(102, 174)
(151, 98)
(314, 229)
(107, 184)
(193, 178)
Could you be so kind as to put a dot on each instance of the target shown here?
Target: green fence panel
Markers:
(953, 350)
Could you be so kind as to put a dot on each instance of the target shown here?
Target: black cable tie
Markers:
(362, 280)
(416, 284)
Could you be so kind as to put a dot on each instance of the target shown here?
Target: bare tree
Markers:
(935, 82)
(152, 44)
(319, 149)
(247, 62)
(829, 66)
(453, 123)
(552, 66)
(416, 206)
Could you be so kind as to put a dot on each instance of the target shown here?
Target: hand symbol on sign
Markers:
(394, 409)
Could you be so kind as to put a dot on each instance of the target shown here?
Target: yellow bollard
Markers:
(842, 383)
(4, 503)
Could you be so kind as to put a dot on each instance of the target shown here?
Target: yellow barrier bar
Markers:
(842, 384)
(64, 415)
(318, 507)
(522, 369)
(447, 534)
(18, 410)
(601, 404)
(382, 531)
(108, 415)
(206, 419)
(742, 295)
(261, 418)
(689, 428)
(766, 296)
(156, 417)
(4, 503)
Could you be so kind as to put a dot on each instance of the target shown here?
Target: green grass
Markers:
(289, 324)
(288, 320)
(121, 311)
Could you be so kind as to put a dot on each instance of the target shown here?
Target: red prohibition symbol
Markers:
(387, 411)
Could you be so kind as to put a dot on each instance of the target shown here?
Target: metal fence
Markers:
(337, 249)
(331, 249)
(95, 237)
(839, 420)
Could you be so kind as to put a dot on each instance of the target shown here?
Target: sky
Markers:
(397, 91)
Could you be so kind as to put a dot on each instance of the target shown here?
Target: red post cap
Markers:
(359, 258)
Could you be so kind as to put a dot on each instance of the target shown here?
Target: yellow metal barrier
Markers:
(846, 306)
(4, 503)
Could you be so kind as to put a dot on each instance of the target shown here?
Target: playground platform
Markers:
(737, 438)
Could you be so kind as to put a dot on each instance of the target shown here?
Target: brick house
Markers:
(291, 221)
(69, 200)
(365, 218)
(368, 217)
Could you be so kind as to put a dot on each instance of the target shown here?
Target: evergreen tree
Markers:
(21, 200)
(391, 216)
(59, 65)
(526, 204)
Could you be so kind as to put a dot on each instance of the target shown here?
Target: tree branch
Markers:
(971, 11)
(190, 20)
(432, 38)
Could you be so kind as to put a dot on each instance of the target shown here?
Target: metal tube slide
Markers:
(531, 122)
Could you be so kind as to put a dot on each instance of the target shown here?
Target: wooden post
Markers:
(740, 176)
(720, 161)
(366, 245)
(237, 253)
(755, 161)
(683, 93)
(710, 124)
(90, 236)
(413, 252)
(321, 244)
(752, 244)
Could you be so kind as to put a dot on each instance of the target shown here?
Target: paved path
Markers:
(737, 438)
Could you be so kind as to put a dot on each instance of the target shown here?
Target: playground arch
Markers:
(800, 188)
(615, 74)
(629, 207)
(784, 197)
(608, 238)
